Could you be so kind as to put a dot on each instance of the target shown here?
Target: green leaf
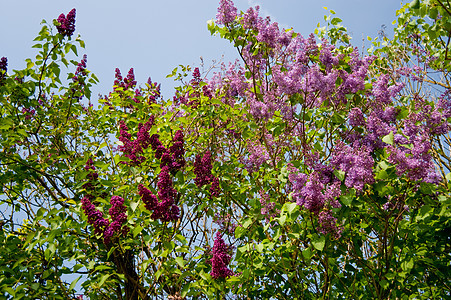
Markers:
(103, 279)
(239, 232)
(137, 230)
(340, 174)
(73, 283)
(290, 207)
(347, 199)
(134, 205)
(388, 139)
(319, 242)
(179, 260)
(415, 4)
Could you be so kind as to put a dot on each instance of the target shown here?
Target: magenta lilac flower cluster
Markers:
(125, 83)
(134, 149)
(102, 226)
(81, 70)
(164, 207)
(202, 169)
(118, 218)
(28, 113)
(3, 64)
(225, 223)
(67, 24)
(3, 67)
(221, 258)
(155, 91)
(172, 157)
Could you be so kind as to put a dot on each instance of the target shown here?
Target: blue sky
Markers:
(153, 37)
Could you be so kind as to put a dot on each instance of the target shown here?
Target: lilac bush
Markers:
(305, 170)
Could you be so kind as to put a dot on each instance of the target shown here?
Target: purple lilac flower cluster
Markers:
(165, 210)
(328, 224)
(81, 71)
(172, 157)
(317, 192)
(134, 149)
(221, 258)
(3, 64)
(225, 223)
(227, 12)
(164, 207)
(299, 74)
(356, 162)
(3, 67)
(202, 169)
(67, 24)
(155, 90)
(125, 83)
(118, 217)
(257, 156)
(28, 112)
(102, 226)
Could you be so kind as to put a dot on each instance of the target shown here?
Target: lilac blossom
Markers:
(328, 224)
(221, 259)
(163, 208)
(357, 163)
(356, 117)
(257, 156)
(227, 12)
(95, 217)
(202, 169)
(118, 217)
(134, 149)
(225, 223)
(166, 209)
(66, 25)
(3, 64)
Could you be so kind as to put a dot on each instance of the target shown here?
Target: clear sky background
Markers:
(153, 36)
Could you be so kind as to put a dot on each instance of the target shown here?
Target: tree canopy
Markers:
(307, 170)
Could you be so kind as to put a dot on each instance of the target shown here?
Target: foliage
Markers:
(304, 171)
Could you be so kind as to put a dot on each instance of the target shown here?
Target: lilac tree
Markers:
(305, 171)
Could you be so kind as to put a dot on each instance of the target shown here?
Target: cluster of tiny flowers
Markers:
(3, 64)
(257, 156)
(81, 70)
(328, 224)
(356, 162)
(155, 90)
(29, 113)
(172, 157)
(164, 207)
(3, 67)
(134, 149)
(95, 217)
(267, 205)
(165, 210)
(202, 169)
(118, 217)
(220, 259)
(225, 223)
(317, 192)
(227, 12)
(67, 24)
(125, 83)
(384, 93)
